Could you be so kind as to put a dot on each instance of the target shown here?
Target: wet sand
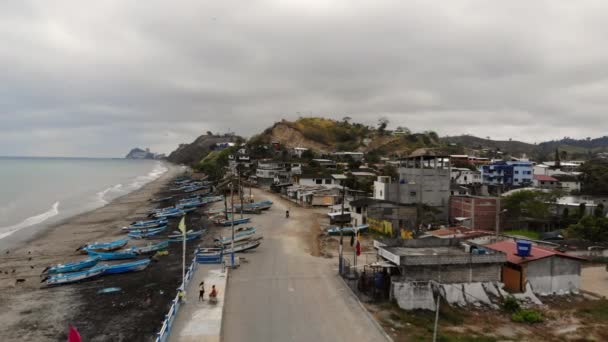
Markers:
(133, 314)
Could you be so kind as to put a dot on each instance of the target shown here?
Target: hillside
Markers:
(326, 135)
(512, 147)
(191, 154)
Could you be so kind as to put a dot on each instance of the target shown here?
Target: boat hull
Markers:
(73, 277)
(132, 266)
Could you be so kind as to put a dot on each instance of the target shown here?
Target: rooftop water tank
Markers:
(524, 248)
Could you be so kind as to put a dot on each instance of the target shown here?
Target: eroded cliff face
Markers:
(191, 154)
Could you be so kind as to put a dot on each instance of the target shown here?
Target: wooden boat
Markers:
(151, 248)
(210, 256)
(245, 245)
(132, 229)
(210, 199)
(347, 230)
(162, 199)
(149, 223)
(72, 266)
(239, 235)
(126, 254)
(72, 277)
(171, 213)
(131, 266)
(103, 246)
(190, 235)
(228, 223)
(144, 233)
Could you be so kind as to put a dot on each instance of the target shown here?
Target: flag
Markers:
(73, 335)
(182, 225)
(358, 246)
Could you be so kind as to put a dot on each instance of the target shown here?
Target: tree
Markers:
(390, 171)
(404, 130)
(599, 210)
(209, 133)
(563, 155)
(590, 228)
(582, 208)
(594, 177)
(382, 123)
(527, 203)
(308, 155)
(346, 119)
(557, 164)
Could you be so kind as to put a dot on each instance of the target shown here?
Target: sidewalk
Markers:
(201, 321)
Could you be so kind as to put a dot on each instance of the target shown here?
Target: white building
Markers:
(464, 176)
(331, 181)
(297, 151)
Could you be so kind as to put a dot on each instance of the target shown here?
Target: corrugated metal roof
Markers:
(509, 247)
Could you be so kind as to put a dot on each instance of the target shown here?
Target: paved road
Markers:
(283, 293)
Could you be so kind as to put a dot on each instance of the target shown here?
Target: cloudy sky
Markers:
(99, 77)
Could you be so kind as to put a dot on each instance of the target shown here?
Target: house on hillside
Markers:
(324, 180)
(353, 155)
(545, 182)
(297, 151)
(464, 176)
(568, 182)
(546, 270)
(510, 173)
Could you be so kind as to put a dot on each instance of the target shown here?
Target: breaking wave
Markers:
(102, 194)
(140, 181)
(30, 221)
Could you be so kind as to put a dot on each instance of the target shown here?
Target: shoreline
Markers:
(29, 234)
(36, 314)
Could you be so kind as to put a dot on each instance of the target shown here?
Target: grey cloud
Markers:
(122, 73)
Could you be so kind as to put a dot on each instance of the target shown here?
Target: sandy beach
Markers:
(133, 314)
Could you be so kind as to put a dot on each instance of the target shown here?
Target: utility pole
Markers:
(238, 173)
(340, 261)
(232, 221)
(436, 318)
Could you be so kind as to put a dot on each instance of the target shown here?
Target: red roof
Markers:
(509, 247)
(544, 178)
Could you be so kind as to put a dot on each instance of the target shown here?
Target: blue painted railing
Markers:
(165, 330)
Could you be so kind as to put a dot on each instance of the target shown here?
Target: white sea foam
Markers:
(30, 221)
(102, 194)
(140, 181)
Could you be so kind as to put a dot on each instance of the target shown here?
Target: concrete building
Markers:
(297, 151)
(464, 158)
(510, 173)
(326, 163)
(464, 176)
(327, 181)
(569, 183)
(353, 155)
(423, 178)
(547, 271)
(314, 195)
(545, 182)
(447, 266)
(272, 172)
(475, 212)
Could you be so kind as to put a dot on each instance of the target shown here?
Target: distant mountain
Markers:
(191, 154)
(138, 153)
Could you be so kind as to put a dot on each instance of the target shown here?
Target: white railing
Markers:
(165, 330)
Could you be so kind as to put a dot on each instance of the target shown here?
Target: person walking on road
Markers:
(201, 291)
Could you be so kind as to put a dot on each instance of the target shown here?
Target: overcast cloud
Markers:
(96, 78)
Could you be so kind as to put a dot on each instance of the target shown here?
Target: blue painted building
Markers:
(512, 173)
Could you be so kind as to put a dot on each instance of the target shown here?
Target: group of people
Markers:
(201, 292)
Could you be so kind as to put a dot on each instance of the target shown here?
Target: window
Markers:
(328, 181)
(318, 181)
(516, 172)
(412, 193)
(516, 180)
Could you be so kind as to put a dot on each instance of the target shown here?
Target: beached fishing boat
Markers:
(210, 256)
(243, 246)
(210, 199)
(161, 199)
(170, 213)
(130, 229)
(72, 266)
(190, 235)
(151, 248)
(131, 266)
(103, 246)
(239, 235)
(72, 277)
(347, 230)
(149, 223)
(126, 254)
(144, 233)
(228, 223)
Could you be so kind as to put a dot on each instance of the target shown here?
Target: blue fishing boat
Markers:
(126, 254)
(131, 229)
(190, 235)
(228, 223)
(239, 235)
(103, 246)
(149, 223)
(131, 266)
(144, 233)
(72, 266)
(210, 255)
(151, 248)
(347, 230)
(171, 213)
(72, 277)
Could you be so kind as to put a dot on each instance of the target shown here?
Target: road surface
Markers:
(283, 293)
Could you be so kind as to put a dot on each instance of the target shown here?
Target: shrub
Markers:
(511, 305)
(527, 316)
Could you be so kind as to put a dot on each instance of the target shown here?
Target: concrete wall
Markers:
(411, 295)
(481, 211)
(554, 275)
(453, 273)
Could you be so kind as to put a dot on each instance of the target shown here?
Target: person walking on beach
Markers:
(201, 291)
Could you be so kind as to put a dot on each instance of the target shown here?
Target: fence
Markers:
(369, 283)
(165, 330)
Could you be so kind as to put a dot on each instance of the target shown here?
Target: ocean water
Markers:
(37, 192)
